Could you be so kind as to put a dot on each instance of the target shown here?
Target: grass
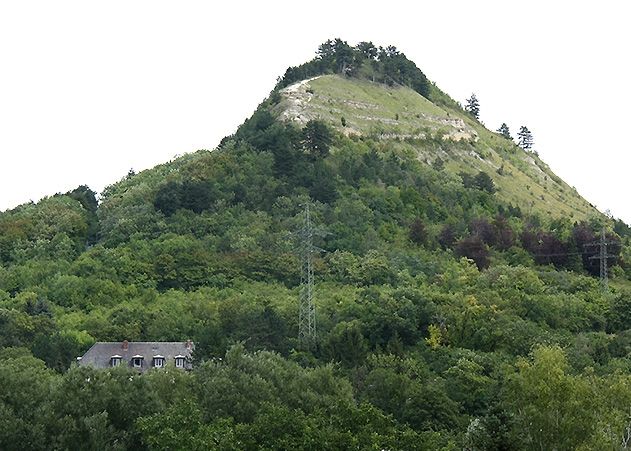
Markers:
(397, 113)
(372, 108)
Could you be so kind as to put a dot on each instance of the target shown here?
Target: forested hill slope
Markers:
(454, 311)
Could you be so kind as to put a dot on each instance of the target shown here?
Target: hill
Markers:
(435, 133)
(458, 305)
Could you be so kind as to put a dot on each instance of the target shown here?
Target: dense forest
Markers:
(446, 318)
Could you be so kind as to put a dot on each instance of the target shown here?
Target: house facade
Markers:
(139, 355)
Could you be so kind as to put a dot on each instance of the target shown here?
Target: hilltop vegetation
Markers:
(384, 65)
(450, 316)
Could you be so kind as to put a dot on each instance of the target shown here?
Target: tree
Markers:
(317, 138)
(368, 49)
(343, 56)
(447, 236)
(481, 228)
(58, 350)
(322, 185)
(178, 427)
(524, 138)
(418, 232)
(474, 248)
(504, 131)
(619, 316)
(24, 400)
(551, 249)
(484, 182)
(504, 236)
(168, 198)
(551, 408)
(196, 196)
(346, 343)
(87, 198)
(473, 106)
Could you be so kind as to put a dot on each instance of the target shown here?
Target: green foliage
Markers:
(58, 227)
(448, 317)
(346, 343)
(504, 131)
(418, 232)
(524, 138)
(484, 182)
(473, 106)
(552, 409)
(316, 137)
(481, 181)
(385, 65)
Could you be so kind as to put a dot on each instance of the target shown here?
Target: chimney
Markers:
(125, 345)
(189, 345)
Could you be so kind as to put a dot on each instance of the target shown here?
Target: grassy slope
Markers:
(415, 124)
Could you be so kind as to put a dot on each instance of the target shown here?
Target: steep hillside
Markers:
(410, 121)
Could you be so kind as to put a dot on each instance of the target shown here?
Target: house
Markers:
(140, 355)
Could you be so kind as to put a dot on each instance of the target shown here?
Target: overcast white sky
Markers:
(91, 89)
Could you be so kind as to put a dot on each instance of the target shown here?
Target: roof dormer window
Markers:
(142, 356)
(158, 361)
(136, 361)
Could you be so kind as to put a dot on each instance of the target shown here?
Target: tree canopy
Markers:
(504, 131)
(473, 106)
(385, 65)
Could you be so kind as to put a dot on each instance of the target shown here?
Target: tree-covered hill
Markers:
(458, 306)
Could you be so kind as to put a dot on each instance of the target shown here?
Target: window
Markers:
(158, 361)
(179, 362)
(115, 360)
(136, 361)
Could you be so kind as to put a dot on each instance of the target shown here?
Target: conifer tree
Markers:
(484, 182)
(473, 106)
(524, 138)
(504, 131)
(317, 138)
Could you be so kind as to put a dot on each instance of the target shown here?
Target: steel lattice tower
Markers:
(602, 244)
(307, 319)
(604, 278)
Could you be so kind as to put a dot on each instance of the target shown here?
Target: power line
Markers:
(562, 254)
(569, 254)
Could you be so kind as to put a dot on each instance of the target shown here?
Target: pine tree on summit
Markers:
(473, 106)
(504, 131)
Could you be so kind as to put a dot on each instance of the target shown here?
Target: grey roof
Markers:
(100, 353)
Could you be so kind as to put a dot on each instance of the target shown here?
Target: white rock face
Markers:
(296, 109)
(297, 98)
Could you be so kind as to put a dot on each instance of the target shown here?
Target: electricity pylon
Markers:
(307, 319)
(602, 243)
